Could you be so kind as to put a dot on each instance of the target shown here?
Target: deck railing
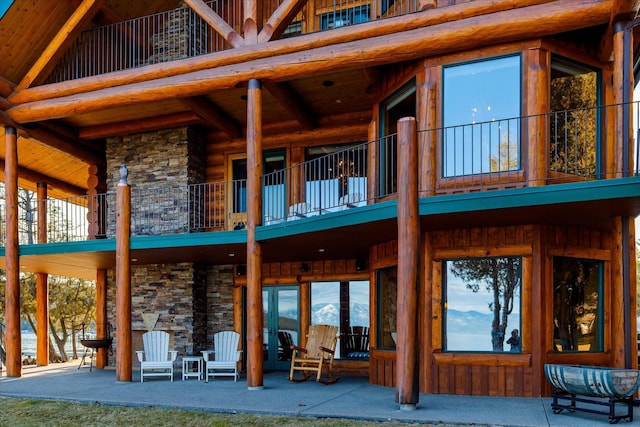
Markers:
(181, 33)
(560, 147)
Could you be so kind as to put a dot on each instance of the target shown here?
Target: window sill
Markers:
(482, 359)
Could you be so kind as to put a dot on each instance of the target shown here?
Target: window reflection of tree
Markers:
(575, 304)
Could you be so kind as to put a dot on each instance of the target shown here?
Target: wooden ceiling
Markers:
(59, 152)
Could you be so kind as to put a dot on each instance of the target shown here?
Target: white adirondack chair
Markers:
(156, 360)
(225, 356)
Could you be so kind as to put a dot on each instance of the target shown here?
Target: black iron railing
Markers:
(558, 147)
(181, 33)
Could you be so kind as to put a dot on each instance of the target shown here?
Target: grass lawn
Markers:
(28, 412)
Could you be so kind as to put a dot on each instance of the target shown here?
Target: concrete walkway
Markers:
(349, 398)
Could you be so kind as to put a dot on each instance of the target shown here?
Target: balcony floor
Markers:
(350, 233)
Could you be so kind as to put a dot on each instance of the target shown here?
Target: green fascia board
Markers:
(207, 238)
(344, 218)
(98, 245)
(436, 205)
(137, 243)
(585, 191)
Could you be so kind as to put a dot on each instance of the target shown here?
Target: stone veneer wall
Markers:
(182, 294)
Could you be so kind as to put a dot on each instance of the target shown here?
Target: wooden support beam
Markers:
(42, 284)
(444, 15)
(211, 114)
(291, 102)
(4, 103)
(123, 279)
(62, 144)
(623, 10)
(101, 316)
(407, 374)
(280, 20)
(459, 35)
(32, 176)
(250, 21)
(139, 125)
(216, 22)
(13, 341)
(63, 39)
(255, 339)
(6, 87)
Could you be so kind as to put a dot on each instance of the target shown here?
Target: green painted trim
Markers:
(532, 196)
(609, 189)
(344, 218)
(137, 243)
(189, 239)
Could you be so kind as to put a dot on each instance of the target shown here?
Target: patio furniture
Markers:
(591, 385)
(156, 360)
(356, 343)
(226, 356)
(192, 367)
(92, 344)
(317, 356)
(285, 350)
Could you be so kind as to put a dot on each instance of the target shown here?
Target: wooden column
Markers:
(251, 21)
(42, 285)
(13, 342)
(428, 83)
(101, 316)
(537, 95)
(255, 356)
(123, 278)
(407, 374)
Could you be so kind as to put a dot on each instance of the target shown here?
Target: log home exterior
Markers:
(461, 171)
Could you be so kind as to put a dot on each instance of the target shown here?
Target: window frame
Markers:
(516, 119)
(518, 293)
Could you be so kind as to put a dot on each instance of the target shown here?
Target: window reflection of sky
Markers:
(480, 107)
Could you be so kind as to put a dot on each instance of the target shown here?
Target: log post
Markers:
(537, 68)
(254, 249)
(42, 285)
(123, 278)
(13, 339)
(101, 316)
(407, 374)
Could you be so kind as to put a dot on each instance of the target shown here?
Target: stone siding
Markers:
(193, 300)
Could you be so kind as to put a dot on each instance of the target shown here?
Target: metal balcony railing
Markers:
(558, 147)
(181, 33)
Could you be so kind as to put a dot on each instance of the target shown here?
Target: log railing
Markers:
(182, 33)
(564, 146)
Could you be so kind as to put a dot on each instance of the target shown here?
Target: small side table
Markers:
(192, 367)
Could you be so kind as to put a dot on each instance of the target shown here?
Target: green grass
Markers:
(28, 412)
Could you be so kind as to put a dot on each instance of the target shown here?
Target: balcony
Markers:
(181, 33)
(523, 160)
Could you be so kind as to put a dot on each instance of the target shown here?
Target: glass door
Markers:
(281, 307)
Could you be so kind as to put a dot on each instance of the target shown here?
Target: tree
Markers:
(501, 278)
(71, 300)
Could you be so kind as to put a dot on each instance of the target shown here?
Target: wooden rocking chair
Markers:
(316, 356)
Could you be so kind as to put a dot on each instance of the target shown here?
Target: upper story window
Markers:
(340, 18)
(482, 304)
(573, 124)
(335, 175)
(481, 102)
(399, 104)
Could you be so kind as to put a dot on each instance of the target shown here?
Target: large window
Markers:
(574, 120)
(577, 304)
(340, 18)
(333, 173)
(344, 304)
(481, 108)
(482, 304)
